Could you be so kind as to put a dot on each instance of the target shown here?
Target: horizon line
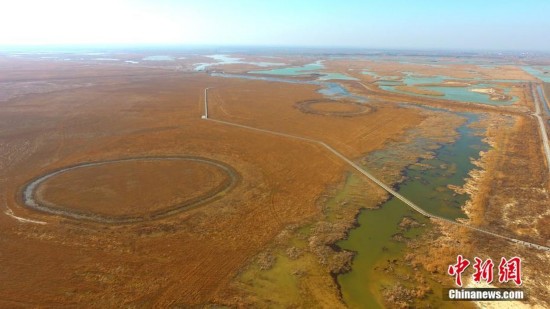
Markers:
(115, 46)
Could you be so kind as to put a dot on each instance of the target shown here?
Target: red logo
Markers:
(483, 270)
(457, 269)
(508, 270)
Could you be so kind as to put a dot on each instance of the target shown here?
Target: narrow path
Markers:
(368, 175)
(543, 98)
(543, 133)
(205, 116)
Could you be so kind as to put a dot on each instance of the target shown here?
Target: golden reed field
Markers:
(108, 113)
(115, 193)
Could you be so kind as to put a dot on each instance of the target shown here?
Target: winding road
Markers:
(370, 176)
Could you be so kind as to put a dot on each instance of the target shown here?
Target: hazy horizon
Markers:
(374, 25)
(229, 49)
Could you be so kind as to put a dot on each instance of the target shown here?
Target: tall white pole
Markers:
(205, 103)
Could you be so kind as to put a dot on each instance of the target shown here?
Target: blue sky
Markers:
(420, 24)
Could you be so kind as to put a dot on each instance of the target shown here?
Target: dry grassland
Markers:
(182, 260)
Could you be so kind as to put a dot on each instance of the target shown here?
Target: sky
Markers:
(374, 24)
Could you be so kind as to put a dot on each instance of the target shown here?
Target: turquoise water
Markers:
(506, 80)
(370, 73)
(412, 80)
(308, 69)
(463, 94)
(373, 240)
(457, 94)
(389, 82)
(327, 88)
(540, 72)
(265, 78)
(335, 76)
(336, 90)
(382, 77)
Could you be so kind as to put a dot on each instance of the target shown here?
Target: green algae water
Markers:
(374, 240)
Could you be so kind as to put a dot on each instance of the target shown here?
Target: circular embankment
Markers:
(129, 190)
(340, 108)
